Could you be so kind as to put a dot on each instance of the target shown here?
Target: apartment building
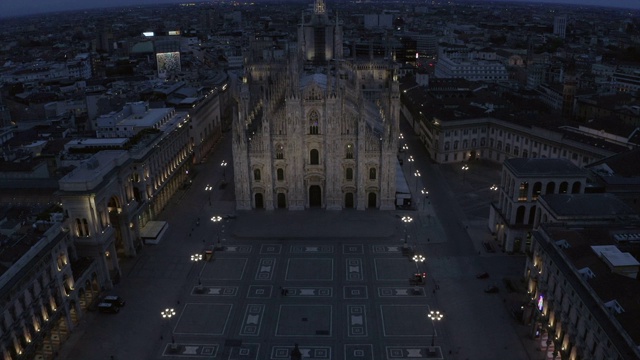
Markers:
(583, 283)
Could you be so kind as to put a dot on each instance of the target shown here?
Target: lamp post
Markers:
(224, 171)
(208, 189)
(406, 220)
(417, 175)
(410, 160)
(494, 188)
(425, 193)
(168, 313)
(216, 219)
(418, 259)
(434, 316)
(465, 167)
(401, 137)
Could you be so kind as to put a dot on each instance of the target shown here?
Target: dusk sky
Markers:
(27, 7)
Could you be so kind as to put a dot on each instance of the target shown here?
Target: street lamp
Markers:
(224, 171)
(434, 316)
(168, 313)
(494, 188)
(196, 257)
(208, 189)
(425, 193)
(401, 137)
(418, 259)
(465, 167)
(406, 220)
(417, 175)
(410, 160)
(216, 219)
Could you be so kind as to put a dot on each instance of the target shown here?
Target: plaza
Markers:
(334, 282)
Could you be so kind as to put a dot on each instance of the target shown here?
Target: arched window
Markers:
(314, 157)
(313, 122)
(372, 173)
(523, 191)
(564, 186)
(575, 189)
(280, 174)
(551, 187)
(349, 151)
(520, 214)
(256, 174)
(348, 174)
(537, 189)
(79, 230)
(279, 151)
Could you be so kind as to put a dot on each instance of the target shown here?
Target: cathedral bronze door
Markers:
(373, 203)
(259, 201)
(315, 196)
(348, 200)
(282, 201)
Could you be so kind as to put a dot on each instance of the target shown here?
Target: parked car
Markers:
(483, 275)
(106, 307)
(114, 299)
(491, 289)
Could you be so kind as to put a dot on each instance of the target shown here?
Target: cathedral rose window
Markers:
(313, 122)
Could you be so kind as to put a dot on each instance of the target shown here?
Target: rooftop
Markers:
(546, 167)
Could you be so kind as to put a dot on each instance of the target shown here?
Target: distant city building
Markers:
(374, 21)
(473, 70)
(560, 26)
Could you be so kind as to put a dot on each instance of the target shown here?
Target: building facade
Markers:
(583, 283)
(512, 217)
(318, 130)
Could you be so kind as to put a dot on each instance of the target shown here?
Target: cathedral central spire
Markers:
(319, 7)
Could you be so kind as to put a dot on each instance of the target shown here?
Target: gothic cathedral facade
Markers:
(317, 130)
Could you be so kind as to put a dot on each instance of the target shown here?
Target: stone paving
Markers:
(337, 300)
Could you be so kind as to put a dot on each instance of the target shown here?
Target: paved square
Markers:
(203, 319)
(405, 320)
(309, 269)
(355, 292)
(224, 269)
(304, 320)
(393, 269)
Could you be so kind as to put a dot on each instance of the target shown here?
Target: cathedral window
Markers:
(349, 151)
(256, 174)
(314, 157)
(280, 174)
(313, 122)
(279, 152)
(372, 173)
(349, 174)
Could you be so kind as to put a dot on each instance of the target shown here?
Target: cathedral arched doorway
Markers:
(282, 201)
(315, 196)
(373, 201)
(348, 200)
(259, 201)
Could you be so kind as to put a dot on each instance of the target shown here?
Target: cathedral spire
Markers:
(319, 7)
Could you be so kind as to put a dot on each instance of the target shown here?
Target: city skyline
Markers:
(14, 8)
